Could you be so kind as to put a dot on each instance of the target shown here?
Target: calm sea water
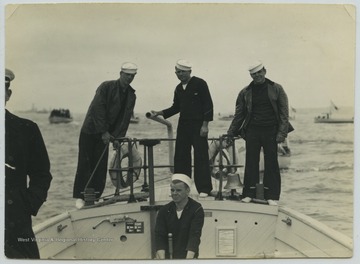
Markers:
(319, 182)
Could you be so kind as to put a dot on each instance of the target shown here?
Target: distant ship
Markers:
(226, 117)
(327, 117)
(60, 116)
(34, 109)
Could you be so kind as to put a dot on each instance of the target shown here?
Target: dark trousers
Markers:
(91, 147)
(265, 137)
(21, 243)
(188, 135)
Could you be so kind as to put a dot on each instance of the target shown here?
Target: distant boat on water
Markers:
(60, 116)
(42, 111)
(226, 117)
(328, 118)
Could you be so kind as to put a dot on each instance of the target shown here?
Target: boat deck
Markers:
(117, 229)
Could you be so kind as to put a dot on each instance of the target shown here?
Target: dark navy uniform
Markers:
(195, 106)
(186, 230)
(110, 110)
(261, 116)
(26, 158)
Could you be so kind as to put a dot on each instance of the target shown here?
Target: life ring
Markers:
(116, 164)
(227, 160)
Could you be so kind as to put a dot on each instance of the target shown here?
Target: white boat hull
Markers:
(333, 120)
(232, 229)
(59, 119)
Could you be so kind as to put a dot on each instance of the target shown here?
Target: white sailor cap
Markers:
(183, 65)
(129, 67)
(9, 75)
(256, 66)
(183, 178)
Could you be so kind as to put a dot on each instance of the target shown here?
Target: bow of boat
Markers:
(120, 230)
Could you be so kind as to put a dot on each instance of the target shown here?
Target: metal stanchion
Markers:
(131, 172)
(149, 144)
(170, 240)
(219, 195)
(145, 186)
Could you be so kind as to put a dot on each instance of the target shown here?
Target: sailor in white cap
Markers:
(255, 67)
(129, 67)
(183, 65)
(108, 117)
(262, 119)
(193, 101)
(127, 73)
(182, 212)
(183, 178)
(257, 72)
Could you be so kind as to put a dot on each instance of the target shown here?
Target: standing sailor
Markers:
(262, 120)
(107, 118)
(27, 180)
(193, 101)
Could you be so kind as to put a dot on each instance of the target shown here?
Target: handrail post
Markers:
(145, 186)
(119, 172)
(168, 124)
(131, 172)
(219, 195)
(150, 143)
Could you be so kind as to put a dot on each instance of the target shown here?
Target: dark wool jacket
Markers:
(110, 110)
(25, 157)
(193, 103)
(186, 231)
(279, 102)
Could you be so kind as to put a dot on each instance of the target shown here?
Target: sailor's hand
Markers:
(280, 138)
(116, 144)
(156, 113)
(204, 130)
(229, 140)
(107, 137)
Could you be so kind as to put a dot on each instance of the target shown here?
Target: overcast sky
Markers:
(60, 53)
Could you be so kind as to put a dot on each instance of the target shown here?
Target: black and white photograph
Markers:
(159, 130)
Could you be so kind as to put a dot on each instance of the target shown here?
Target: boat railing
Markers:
(223, 159)
(127, 174)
